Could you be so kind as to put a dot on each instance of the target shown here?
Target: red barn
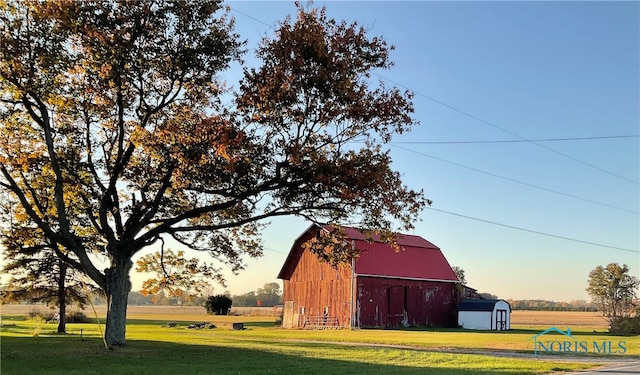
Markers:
(414, 286)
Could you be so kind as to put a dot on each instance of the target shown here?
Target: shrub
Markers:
(78, 317)
(218, 305)
(625, 326)
(37, 325)
(45, 316)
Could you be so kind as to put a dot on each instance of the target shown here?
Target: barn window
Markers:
(325, 310)
(302, 310)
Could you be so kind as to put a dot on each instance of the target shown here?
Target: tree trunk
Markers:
(62, 293)
(118, 286)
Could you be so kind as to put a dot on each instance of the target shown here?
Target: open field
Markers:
(518, 317)
(559, 319)
(155, 348)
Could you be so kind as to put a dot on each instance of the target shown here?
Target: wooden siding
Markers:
(315, 287)
(386, 302)
(314, 290)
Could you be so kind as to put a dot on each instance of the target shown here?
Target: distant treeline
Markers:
(543, 305)
(269, 295)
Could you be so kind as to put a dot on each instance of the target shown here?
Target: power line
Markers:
(275, 251)
(535, 231)
(251, 17)
(515, 140)
(467, 114)
(517, 181)
(523, 139)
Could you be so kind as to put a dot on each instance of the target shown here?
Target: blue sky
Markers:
(489, 71)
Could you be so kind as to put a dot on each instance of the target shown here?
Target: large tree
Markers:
(120, 104)
(613, 290)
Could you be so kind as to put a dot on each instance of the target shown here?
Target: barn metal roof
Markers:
(417, 259)
(479, 304)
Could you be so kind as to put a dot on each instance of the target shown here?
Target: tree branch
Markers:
(58, 189)
(89, 150)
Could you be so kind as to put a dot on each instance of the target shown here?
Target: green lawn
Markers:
(155, 348)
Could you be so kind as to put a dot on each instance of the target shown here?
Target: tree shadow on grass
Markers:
(62, 355)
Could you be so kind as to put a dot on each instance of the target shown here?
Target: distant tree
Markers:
(247, 299)
(515, 304)
(179, 277)
(488, 296)
(37, 274)
(270, 294)
(218, 305)
(270, 288)
(97, 297)
(576, 305)
(460, 275)
(196, 301)
(40, 270)
(579, 305)
(613, 290)
(136, 298)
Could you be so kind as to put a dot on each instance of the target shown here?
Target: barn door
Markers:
(397, 306)
(288, 316)
(501, 320)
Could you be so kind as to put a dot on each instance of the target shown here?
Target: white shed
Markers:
(487, 314)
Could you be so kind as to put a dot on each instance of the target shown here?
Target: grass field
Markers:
(155, 348)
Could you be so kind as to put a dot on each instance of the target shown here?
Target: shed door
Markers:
(397, 306)
(501, 320)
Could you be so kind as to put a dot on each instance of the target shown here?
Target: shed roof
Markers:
(479, 304)
(417, 258)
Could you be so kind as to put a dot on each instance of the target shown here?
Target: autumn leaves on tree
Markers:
(114, 133)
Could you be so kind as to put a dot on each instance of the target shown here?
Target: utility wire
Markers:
(251, 17)
(275, 251)
(505, 130)
(516, 181)
(535, 231)
(523, 139)
(515, 140)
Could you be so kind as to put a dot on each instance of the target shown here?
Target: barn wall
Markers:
(312, 287)
(386, 302)
(475, 319)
